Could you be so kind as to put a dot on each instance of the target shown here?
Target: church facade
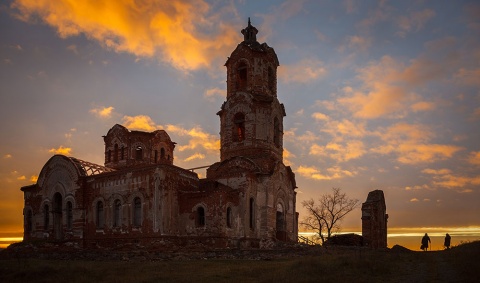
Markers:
(247, 199)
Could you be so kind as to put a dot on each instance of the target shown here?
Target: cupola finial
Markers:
(250, 32)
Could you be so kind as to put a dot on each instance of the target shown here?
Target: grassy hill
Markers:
(313, 264)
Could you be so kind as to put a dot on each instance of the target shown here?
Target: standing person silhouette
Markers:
(447, 241)
(425, 241)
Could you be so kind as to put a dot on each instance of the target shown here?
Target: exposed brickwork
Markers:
(374, 220)
(247, 199)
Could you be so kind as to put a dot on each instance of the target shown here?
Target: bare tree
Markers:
(325, 216)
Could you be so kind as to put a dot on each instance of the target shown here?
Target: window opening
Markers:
(156, 156)
(242, 76)
(271, 79)
(116, 213)
(46, 217)
(276, 132)
(252, 213)
(138, 153)
(122, 153)
(100, 215)
(69, 215)
(162, 153)
(28, 221)
(229, 217)
(115, 153)
(239, 122)
(109, 155)
(200, 216)
(137, 212)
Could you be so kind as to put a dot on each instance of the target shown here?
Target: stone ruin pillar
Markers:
(374, 221)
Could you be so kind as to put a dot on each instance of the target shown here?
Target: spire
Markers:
(250, 33)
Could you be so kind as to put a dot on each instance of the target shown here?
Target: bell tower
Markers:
(251, 119)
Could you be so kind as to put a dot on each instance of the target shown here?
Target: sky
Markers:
(378, 94)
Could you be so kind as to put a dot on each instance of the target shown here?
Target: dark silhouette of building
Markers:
(374, 220)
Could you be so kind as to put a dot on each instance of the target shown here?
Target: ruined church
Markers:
(247, 199)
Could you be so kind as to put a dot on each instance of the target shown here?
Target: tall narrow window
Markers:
(271, 79)
(162, 153)
(239, 128)
(155, 156)
(115, 153)
(116, 213)
(229, 217)
(109, 156)
(28, 221)
(200, 216)
(137, 212)
(138, 153)
(100, 215)
(276, 132)
(122, 153)
(252, 214)
(69, 215)
(242, 76)
(46, 217)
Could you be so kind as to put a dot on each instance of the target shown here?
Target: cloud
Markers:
(474, 158)
(414, 200)
(183, 33)
(61, 150)
(359, 43)
(198, 139)
(139, 122)
(468, 77)
(195, 156)
(447, 179)
(319, 116)
(411, 144)
(21, 178)
(33, 178)
(422, 106)
(414, 21)
(7, 156)
(73, 48)
(215, 92)
(340, 152)
(102, 112)
(332, 173)
(388, 87)
(304, 71)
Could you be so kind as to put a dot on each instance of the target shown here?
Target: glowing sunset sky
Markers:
(378, 94)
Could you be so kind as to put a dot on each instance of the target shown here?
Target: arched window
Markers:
(115, 153)
(155, 159)
(116, 213)
(122, 153)
(242, 76)
(28, 221)
(276, 132)
(162, 153)
(46, 217)
(239, 127)
(138, 153)
(137, 212)
(271, 79)
(109, 156)
(252, 214)
(69, 215)
(229, 217)
(100, 215)
(200, 216)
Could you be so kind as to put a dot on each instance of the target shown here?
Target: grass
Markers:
(460, 264)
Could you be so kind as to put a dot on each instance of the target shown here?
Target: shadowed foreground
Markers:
(338, 264)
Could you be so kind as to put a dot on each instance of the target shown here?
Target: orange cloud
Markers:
(103, 112)
(7, 156)
(33, 178)
(474, 158)
(61, 150)
(468, 77)
(412, 144)
(21, 178)
(332, 173)
(302, 72)
(169, 30)
(139, 122)
(195, 156)
(215, 92)
(198, 139)
(445, 178)
(340, 152)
